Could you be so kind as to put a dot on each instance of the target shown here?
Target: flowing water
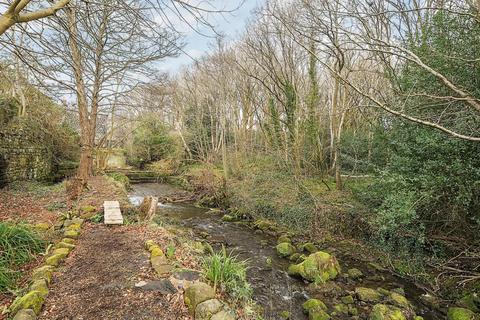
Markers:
(274, 290)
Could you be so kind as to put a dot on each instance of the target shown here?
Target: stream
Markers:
(274, 290)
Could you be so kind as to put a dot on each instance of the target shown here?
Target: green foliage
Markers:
(430, 183)
(225, 270)
(153, 141)
(18, 245)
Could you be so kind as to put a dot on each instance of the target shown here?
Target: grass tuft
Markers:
(18, 245)
(226, 271)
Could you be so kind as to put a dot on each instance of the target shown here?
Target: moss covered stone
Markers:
(341, 308)
(41, 286)
(461, 314)
(72, 234)
(196, 294)
(32, 300)
(44, 272)
(318, 315)
(368, 295)
(88, 209)
(42, 226)
(348, 299)
(63, 251)
(384, 312)
(470, 301)
(156, 251)
(228, 218)
(74, 227)
(68, 240)
(318, 267)
(65, 245)
(54, 260)
(285, 249)
(312, 304)
(284, 239)
(206, 309)
(25, 314)
(399, 300)
(149, 244)
(354, 273)
(310, 247)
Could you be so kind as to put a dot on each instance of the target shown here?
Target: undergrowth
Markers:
(18, 245)
(224, 270)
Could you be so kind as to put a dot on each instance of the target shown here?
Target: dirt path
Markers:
(98, 280)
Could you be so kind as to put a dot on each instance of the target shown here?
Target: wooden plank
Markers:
(112, 213)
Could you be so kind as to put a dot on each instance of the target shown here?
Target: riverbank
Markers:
(316, 212)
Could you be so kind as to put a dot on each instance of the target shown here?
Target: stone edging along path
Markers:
(198, 296)
(28, 306)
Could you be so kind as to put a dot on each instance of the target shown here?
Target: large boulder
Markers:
(385, 312)
(285, 249)
(318, 267)
(196, 294)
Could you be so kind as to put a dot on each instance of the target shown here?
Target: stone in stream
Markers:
(196, 294)
(461, 314)
(384, 312)
(25, 314)
(318, 267)
(32, 300)
(354, 273)
(368, 294)
(285, 249)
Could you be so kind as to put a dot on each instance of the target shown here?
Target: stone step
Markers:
(112, 213)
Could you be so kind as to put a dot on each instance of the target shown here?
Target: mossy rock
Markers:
(149, 244)
(71, 234)
(88, 215)
(54, 260)
(352, 310)
(228, 218)
(25, 314)
(44, 272)
(156, 251)
(63, 251)
(354, 273)
(318, 267)
(294, 257)
(68, 240)
(461, 314)
(384, 312)
(310, 247)
(285, 249)
(43, 227)
(284, 239)
(318, 315)
(206, 309)
(41, 286)
(223, 315)
(264, 225)
(74, 227)
(348, 299)
(32, 300)
(312, 304)
(341, 308)
(196, 294)
(285, 315)
(65, 245)
(88, 209)
(383, 292)
(368, 294)
(400, 301)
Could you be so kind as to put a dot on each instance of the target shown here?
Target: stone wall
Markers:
(25, 154)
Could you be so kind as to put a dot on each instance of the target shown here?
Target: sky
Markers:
(230, 24)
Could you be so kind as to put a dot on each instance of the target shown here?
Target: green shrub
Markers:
(18, 245)
(225, 270)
